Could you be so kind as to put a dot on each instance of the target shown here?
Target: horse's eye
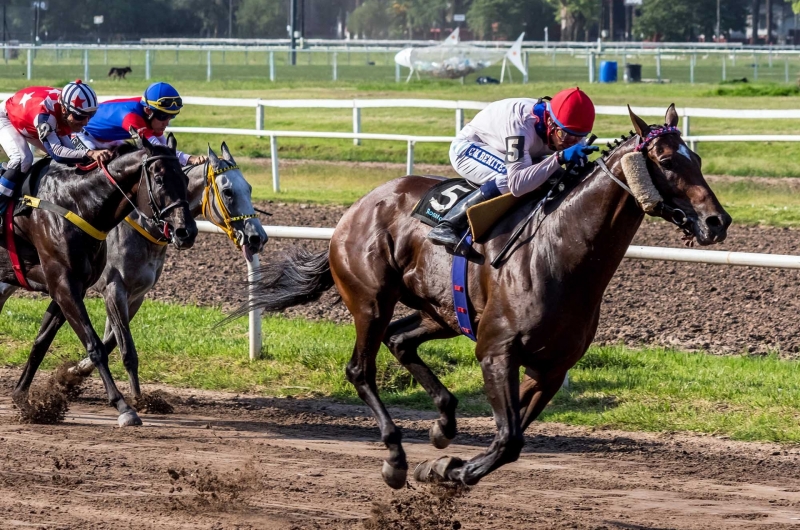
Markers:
(665, 163)
(228, 193)
(158, 179)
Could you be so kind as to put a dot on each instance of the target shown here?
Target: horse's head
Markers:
(677, 175)
(162, 194)
(234, 193)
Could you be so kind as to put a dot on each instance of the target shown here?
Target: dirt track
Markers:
(686, 305)
(224, 461)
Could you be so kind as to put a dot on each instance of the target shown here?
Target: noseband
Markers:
(207, 205)
(158, 214)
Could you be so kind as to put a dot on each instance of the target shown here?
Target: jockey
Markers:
(44, 117)
(150, 115)
(501, 151)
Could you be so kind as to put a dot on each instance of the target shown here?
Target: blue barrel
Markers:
(608, 72)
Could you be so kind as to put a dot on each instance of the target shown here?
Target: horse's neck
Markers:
(197, 185)
(111, 204)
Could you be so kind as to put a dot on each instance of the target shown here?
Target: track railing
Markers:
(713, 257)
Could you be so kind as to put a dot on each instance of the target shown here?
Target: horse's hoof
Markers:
(395, 478)
(129, 419)
(84, 368)
(438, 438)
(437, 470)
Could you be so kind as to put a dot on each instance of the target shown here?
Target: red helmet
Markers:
(573, 111)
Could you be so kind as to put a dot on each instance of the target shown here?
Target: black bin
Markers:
(633, 73)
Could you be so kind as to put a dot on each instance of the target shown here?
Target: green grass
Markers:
(746, 398)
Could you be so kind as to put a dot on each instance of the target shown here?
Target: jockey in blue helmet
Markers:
(150, 115)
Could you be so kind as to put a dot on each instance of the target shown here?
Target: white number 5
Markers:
(514, 146)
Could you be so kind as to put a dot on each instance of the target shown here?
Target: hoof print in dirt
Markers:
(432, 507)
(45, 405)
(154, 403)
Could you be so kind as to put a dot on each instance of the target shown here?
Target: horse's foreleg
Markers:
(403, 338)
(536, 392)
(118, 330)
(6, 291)
(501, 382)
(51, 323)
(70, 299)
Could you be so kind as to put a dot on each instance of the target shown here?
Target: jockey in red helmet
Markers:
(514, 146)
(44, 117)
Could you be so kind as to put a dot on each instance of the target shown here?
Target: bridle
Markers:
(158, 213)
(674, 215)
(217, 206)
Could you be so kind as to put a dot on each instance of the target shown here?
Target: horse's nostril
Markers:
(253, 240)
(181, 233)
(713, 221)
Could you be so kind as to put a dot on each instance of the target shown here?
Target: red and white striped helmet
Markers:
(80, 99)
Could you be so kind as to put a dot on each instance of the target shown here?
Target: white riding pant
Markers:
(479, 163)
(14, 144)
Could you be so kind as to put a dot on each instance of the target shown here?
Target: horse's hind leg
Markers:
(403, 338)
(118, 330)
(6, 291)
(536, 391)
(70, 299)
(51, 323)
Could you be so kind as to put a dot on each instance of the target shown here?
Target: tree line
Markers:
(130, 20)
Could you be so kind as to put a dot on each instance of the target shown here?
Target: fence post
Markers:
(724, 77)
(86, 66)
(691, 67)
(105, 56)
(253, 275)
(786, 69)
(259, 116)
(273, 154)
(208, 65)
(591, 67)
(147, 65)
(686, 130)
(658, 64)
(459, 120)
(525, 64)
(30, 61)
(396, 72)
(335, 72)
(755, 67)
(272, 66)
(410, 158)
(356, 123)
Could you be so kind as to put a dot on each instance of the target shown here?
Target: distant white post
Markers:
(459, 120)
(525, 64)
(253, 275)
(335, 72)
(86, 66)
(272, 66)
(273, 154)
(410, 158)
(259, 116)
(147, 65)
(356, 124)
(208, 66)
(591, 67)
(658, 64)
(30, 63)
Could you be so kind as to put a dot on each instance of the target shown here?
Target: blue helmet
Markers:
(162, 97)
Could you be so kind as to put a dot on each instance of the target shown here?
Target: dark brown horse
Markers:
(538, 311)
(64, 261)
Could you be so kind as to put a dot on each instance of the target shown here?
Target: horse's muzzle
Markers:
(712, 228)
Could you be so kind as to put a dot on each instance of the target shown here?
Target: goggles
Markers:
(80, 117)
(162, 116)
(169, 104)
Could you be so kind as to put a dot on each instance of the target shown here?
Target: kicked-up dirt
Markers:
(720, 309)
(225, 461)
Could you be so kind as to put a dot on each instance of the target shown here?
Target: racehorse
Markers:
(218, 190)
(538, 310)
(64, 260)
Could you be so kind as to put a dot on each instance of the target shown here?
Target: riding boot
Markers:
(7, 184)
(453, 225)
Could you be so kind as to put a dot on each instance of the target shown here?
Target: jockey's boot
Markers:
(7, 184)
(451, 228)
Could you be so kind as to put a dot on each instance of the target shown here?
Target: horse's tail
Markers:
(302, 277)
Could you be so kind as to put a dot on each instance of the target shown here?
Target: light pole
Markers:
(230, 19)
(718, 33)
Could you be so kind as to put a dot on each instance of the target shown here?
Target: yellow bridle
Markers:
(227, 221)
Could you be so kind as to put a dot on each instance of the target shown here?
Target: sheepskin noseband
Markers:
(634, 166)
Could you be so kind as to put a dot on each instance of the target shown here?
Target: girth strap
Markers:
(144, 233)
(460, 295)
(77, 220)
(11, 247)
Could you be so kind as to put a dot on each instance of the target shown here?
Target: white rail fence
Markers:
(712, 257)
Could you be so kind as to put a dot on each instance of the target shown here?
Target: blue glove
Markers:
(577, 154)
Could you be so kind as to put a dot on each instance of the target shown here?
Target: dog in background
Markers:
(119, 73)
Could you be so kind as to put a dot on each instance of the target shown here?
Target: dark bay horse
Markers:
(539, 311)
(62, 260)
(135, 263)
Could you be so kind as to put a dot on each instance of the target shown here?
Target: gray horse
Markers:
(136, 252)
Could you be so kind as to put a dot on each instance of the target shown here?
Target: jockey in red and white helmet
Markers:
(506, 148)
(44, 117)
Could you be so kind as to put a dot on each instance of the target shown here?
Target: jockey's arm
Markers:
(523, 175)
(183, 158)
(60, 150)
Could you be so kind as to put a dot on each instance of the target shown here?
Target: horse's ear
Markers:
(671, 118)
(226, 154)
(137, 138)
(213, 158)
(639, 125)
(172, 143)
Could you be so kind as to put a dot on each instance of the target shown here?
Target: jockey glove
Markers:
(577, 154)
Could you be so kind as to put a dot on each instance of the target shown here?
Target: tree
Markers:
(265, 19)
(371, 19)
(576, 17)
(686, 20)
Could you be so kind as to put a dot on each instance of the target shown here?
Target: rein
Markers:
(207, 205)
